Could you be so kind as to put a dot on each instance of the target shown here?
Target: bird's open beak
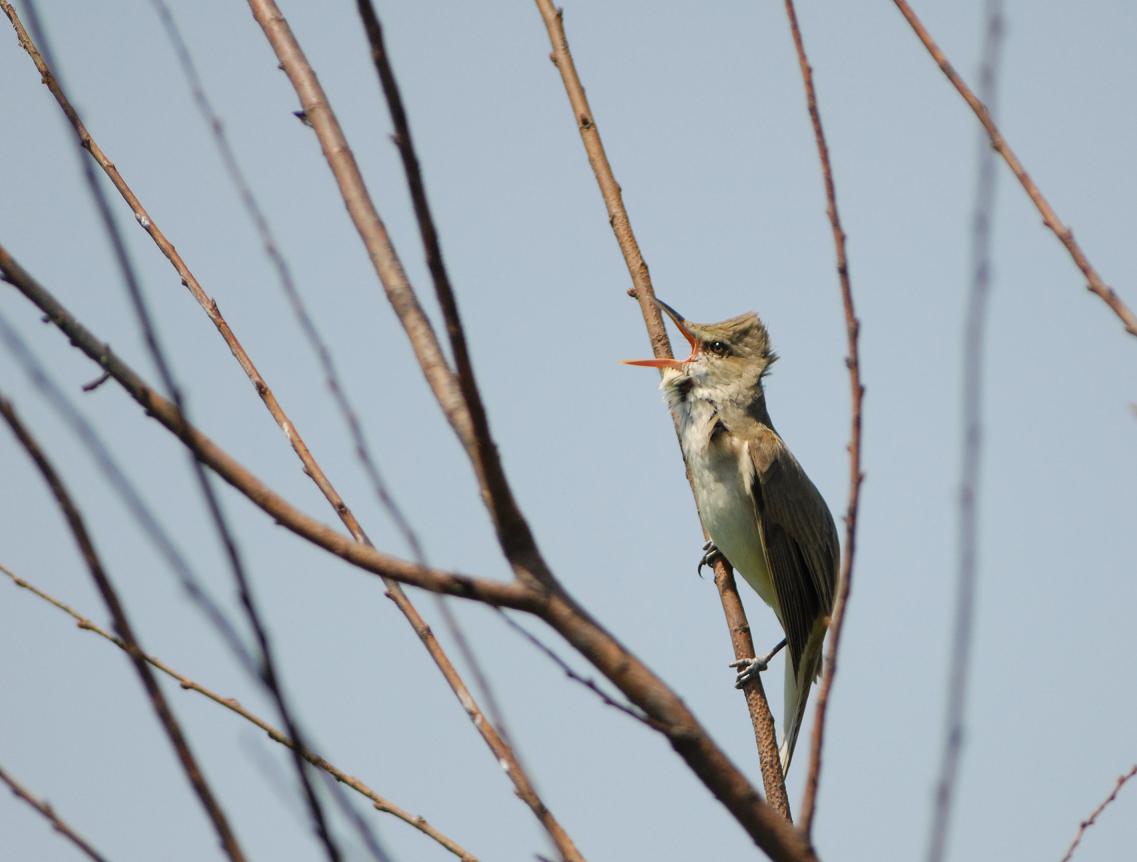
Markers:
(677, 364)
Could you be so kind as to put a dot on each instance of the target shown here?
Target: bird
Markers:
(763, 513)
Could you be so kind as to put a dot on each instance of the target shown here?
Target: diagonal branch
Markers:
(57, 822)
(857, 393)
(1094, 282)
(378, 802)
(125, 631)
(760, 717)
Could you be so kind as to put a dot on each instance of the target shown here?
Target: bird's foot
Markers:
(749, 668)
(711, 555)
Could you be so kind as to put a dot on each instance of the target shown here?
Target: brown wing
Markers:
(800, 539)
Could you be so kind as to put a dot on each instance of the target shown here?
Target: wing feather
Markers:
(800, 539)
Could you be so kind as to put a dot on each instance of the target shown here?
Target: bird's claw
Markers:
(711, 555)
(748, 669)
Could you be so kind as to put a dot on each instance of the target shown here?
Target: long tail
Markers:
(797, 686)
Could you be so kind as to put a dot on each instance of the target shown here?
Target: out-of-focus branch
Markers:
(57, 822)
(1089, 821)
(688, 738)
(380, 803)
(971, 449)
(857, 393)
(741, 640)
(125, 631)
(1050, 218)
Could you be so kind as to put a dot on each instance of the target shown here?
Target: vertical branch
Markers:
(857, 392)
(760, 717)
(125, 631)
(971, 411)
(1094, 282)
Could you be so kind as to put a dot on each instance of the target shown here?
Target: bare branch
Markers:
(1049, 216)
(857, 394)
(642, 291)
(1089, 821)
(57, 822)
(380, 803)
(971, 417)
(762, 719)
(122, 625)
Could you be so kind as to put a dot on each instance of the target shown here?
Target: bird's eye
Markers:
(718, 348)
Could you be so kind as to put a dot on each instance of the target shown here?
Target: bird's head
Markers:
(728, 359)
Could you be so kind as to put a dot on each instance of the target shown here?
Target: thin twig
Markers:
(267, 666)
(1089, 821)
(126, 632)
(768, 829)
(379, 802)
(857, 394)
(760, 717)
(971, 448)
(589, 684)
(57, 822)
(1050, 218)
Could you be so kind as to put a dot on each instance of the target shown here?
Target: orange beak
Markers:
(677, 364)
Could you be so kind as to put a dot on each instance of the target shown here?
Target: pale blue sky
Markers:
(701, 110)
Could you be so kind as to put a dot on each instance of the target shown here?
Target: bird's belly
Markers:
(728, 513)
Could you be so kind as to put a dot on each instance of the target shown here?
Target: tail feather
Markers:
(797, 688)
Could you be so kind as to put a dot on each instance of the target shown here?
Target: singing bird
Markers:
(762, 512)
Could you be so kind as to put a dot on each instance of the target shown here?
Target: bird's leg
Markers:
(749, 668)
(711, 555)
